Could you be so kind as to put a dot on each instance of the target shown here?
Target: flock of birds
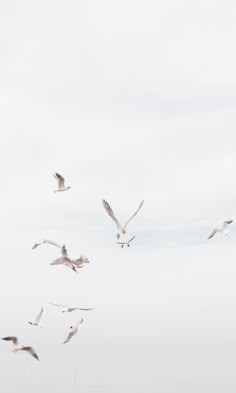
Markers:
(123, 238)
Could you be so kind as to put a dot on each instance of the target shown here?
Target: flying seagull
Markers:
(223, 228)
(60, 183)
(63, 259)
(37, 319)
(19, 347)
(122, 236)
(43, 241)
(72, 264)
(73, 331)
(70, 309)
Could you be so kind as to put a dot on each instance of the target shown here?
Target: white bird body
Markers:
(37, 319)
(19, 347)
(125, 238)
(122, 236)
(224, 228)
(73, 331)
(60, 183)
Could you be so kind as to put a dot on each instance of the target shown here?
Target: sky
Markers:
(128, 100)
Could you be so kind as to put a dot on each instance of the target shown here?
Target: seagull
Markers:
(37, 319)
(62, 260)
(43, 241)
(122, 236)
(70, 309)
(61, 183)
(19, 347)
(72, 264)
(223, 228)
(73, 331)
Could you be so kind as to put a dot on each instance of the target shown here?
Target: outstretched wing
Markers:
(60, 261)
(215, 230)
(31, 351)
(226, 223)
(39, 316)
(110, 212)
(60, 180)
(84, 309)
(14, 339)
(83, 259)
(42, 241)
(58, 305)
(141, 204)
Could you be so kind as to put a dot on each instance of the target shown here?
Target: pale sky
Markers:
(128, 100)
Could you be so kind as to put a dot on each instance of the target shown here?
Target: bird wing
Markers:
(42, 241)
(31, 351)
(39, 316)
(81, 260)
(35, 246)
(58, 305)
(84, 309)
(61, 261)
(226, 223)
(60, 180)
(110, 212)
(215, 230)
(141, 204)
(14, 339)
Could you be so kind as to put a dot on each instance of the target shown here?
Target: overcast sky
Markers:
(129, 100)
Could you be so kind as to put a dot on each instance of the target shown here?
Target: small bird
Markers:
(223, 228)
(43, 241)
(61, 183)
(70, 309)
(122, 236)
(37, 319)
(73, 331)
(19, 347)
(71, 263)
